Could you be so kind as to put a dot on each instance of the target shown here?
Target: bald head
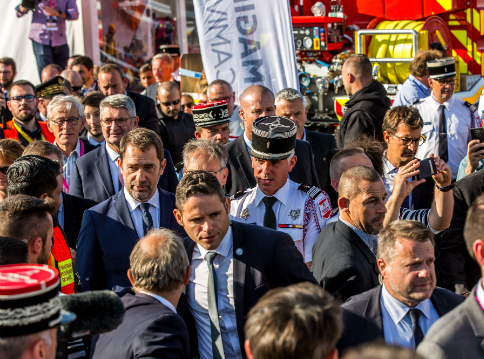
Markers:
(50, 71)
(256, 101)
(74, 79)
(168, 93)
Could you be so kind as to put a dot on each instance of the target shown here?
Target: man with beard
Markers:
(92, 130)
(24, 126)
(402, 310)
(8, 71)
(176, 127)
(110, 230)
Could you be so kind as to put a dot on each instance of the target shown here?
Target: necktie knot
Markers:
(144, 207)
(414, 315)
(269, 201)
(147, 218)
(210, 257)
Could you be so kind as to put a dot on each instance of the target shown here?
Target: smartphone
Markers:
(477, 134)
(427, 168)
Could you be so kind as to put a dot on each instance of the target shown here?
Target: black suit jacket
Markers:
(149, 330)
(146, 111)
(241, 173)
(459, 271)
(269, 259)
(342, 263)
(74, 208)
(363, 320)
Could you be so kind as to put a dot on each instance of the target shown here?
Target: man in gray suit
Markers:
(460, 333)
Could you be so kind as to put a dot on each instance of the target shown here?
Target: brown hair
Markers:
(145, 68)
(84, 61)
(8, 61)
(372, 148)
(407, 115)
(198, 183)
(10, 150)
(92, 99)
(143, 139)
(359, 65)
(349, 184)
(381, 351)
(106, 69)
(474, 226)
(418, 67)
(43, 148)
(295, 322)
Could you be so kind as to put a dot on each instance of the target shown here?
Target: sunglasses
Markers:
(187, 105)
(76, 88)
(4, 169)
(176, 102)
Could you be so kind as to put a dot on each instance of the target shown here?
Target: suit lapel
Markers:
(165, 214)
(122, 210)
(373, 310)
(240, 261)
(68, 215)
(245, 162)
(102, 166)
(475, 316)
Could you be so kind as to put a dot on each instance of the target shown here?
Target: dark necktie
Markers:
(417, 331)
(443, 149)
(269, 216)
(147, 219)
(217, 344)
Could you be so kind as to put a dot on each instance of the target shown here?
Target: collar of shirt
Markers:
(133, 204)
(223, 248)
(435, 104)
(42, 116)
(77, 150)
(304, 136)
(388, 167)
(248, 142)
(480, 292)
(92, 141)
(111, 153)
(365, 237)
(281, 195)
(160, 299)
(398, 310)
(418, 83)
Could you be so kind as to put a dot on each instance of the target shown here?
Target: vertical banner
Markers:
(247, 42)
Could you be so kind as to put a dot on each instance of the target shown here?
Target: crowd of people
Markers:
(228, 228)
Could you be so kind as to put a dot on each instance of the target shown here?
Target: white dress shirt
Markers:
(60, 213)
(459, 121)
(198, 300)
(70, 161)
(160, 299)
(93, 142)
(397, 326)
(249, 208)
(137, 214)
(113, 167)
(480, 292)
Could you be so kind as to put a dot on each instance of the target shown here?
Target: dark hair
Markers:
(43, 148)
(10, 150)
(53, 66)
(32, 175)
(381, 351)
(8, 61)
(106, 69)
(92, 99)
(198, 183)
(143, 139)
(13, 251)
(144, 68)
(474, 225)
(334, 166)
(373, 148)
(418, 67)
(83, 60)
(295, 322)
(21, 83)
(359, 66)
(407, 115)
(25, 217)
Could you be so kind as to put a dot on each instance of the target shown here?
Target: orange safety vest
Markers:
(11, 132)
(60, 258)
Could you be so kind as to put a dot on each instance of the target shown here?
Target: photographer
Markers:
(48, 29)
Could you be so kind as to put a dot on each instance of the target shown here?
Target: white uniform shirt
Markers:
(198, 301)
(459, 121)
(290, 200)
(137, 213)
(114, 168)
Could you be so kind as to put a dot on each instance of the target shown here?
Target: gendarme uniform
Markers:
(296, 209)
(446, 126)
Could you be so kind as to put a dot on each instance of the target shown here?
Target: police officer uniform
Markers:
(446, 126)
(296, 209)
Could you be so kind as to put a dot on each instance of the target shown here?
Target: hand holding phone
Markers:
(427, 168)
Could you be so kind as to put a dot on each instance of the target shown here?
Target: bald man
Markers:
(75, 80)
(50, 71)
(367, 105)
(258, 101)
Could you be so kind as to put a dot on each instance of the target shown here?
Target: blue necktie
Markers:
(147, 219)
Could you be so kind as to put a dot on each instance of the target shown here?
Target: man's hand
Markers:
(475, 153)
(50, 11)
(3, 103)
(402, 187)
(73, 256)
(443, 178)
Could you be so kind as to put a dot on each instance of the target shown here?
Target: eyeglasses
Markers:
(76, 88)
(176, 102)
(408, 141)
(188, 105)
(446, 83)
(212, 172)
(70, 121)
(28, 98)
(120, 122)
(4, 169)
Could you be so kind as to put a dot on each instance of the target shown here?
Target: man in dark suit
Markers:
(96, 175)
(290, 103)
(460, 333)
(258, 101)
(386, 311)
(112, 81)
(110, 230)
(249, 261)
(151, 327)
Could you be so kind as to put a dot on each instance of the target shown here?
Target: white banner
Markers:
(247, 42)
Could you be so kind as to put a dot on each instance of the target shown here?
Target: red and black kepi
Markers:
(211, 114)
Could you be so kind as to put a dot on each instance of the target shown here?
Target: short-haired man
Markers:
(75, 80)
(313, 316)
(24, 126)
(277, 202)
(112, 81)
(92, 128)
(83, 65)
(70, 60)
(13, 251)
(460, 333)
(416, 86)
(8, 71)
(186, 103)
(50, 71)
(174, 52)
(146, 75)
(176, 127)
(29, 220)
(233, 265)
(447, 119)
(255, 102)
(158, 272)
(291, 104)
(110, 229)
(407, 304)
(381, 350)
(368, 101)
(65, 118)
(221, 90)
(46, 91)
(163, 66)
(212, 121)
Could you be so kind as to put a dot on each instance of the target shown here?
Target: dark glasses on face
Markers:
(76, 88)
(176, 102)
(187, 105)
(4, 169)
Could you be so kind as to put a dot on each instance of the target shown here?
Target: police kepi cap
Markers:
(172, 50)
(273, 138)
(29, 300)
(211, 114)
(52, 87)
(441, 68)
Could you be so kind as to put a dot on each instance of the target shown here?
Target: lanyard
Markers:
(64, 183)
(24, 135)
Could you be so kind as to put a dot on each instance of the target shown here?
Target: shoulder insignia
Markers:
(179, 166)
(473, 108)
(321, 199)
(312, 191)
(417, 101)
(238, 194)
